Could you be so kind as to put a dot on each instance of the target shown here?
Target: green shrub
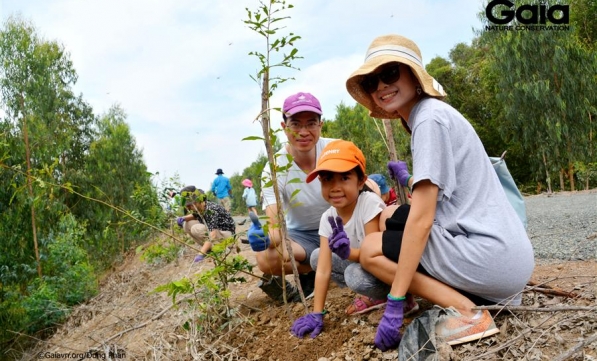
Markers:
(43, 309)
(209, 289)
(67, 269)
(12, 315)
(159, 252)
(69, 279)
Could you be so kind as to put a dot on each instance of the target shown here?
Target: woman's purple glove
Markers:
(311, 323)
(388, 331)
(257, 238)
(339, 242)
(399, 171)
(180, 221)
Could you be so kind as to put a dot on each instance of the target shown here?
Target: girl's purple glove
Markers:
(399, 171)
(180, 221)
(388, 331)
(339, 242)
(311, 323)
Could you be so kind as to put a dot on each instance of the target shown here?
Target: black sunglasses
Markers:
(388, 75)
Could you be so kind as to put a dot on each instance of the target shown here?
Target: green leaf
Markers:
(253, 137)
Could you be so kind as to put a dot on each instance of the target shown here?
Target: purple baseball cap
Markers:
(301, 102)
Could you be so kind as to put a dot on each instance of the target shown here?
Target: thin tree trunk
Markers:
(562, 185)
(546, 173)
(265, 124)
(570, 167)
(571, 176)
(393, 157)
(590, 147)
(30, 187)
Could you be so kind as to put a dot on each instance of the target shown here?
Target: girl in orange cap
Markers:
(353, 214)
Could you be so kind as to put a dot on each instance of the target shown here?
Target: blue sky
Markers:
(180, 69)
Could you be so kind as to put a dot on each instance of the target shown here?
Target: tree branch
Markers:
(579, 346)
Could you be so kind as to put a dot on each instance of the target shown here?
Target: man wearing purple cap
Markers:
(303, 209)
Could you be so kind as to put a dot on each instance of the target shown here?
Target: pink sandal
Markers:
(363, 304)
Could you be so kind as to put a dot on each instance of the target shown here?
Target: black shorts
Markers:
(391, 241)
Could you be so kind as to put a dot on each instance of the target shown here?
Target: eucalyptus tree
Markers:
(48, 125)
(114, 172)
(46, 131)
(582, 17)
(545, 81)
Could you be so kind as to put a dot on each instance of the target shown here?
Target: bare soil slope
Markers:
(133, 323)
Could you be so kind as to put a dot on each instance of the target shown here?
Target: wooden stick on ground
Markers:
(554, 291)
(579, 346)
(511, 341)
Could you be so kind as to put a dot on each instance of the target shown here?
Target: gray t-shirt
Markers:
(477, 243)
(302, 201)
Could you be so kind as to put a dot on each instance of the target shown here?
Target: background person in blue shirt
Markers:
(222, 189)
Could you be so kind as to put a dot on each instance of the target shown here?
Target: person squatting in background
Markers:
(302, 202)
(386, 193)
(222, 189)
(174, 201)
(460, 243)
(249, 196)
(354, 213)
(206, 222)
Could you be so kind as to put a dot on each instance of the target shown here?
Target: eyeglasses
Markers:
(388, 75)
(296, 126)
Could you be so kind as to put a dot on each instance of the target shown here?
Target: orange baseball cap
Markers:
(338, 156)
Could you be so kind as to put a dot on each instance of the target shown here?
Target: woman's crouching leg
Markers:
(364, 283)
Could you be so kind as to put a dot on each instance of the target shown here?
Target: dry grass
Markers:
(126, 317)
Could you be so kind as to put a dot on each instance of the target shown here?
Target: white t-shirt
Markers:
(308, 205)
(368, 206)
(477, 242)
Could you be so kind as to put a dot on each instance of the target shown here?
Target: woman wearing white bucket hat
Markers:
(460, 243)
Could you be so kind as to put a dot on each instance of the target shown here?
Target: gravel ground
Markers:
(563, 226)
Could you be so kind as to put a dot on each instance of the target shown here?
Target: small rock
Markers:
(390, 355)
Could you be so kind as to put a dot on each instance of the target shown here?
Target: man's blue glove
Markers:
(180, 221)
(311, 323)
(257, 239)
(388, 331)
(339, 242)
(399, 171)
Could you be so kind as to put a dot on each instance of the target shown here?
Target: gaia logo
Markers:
(529, 15)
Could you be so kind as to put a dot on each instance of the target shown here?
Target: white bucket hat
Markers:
(387, 49)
